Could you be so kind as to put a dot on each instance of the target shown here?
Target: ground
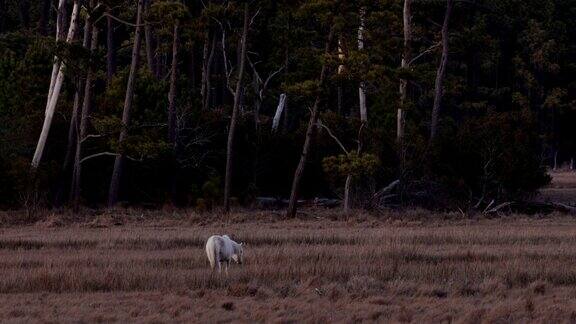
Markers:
(411, 266)
(498, 270)
(561, 190)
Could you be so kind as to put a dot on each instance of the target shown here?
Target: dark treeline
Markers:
(217, 102)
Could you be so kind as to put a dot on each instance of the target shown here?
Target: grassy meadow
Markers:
(143, 268)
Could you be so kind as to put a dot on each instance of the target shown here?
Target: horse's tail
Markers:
(211, 251)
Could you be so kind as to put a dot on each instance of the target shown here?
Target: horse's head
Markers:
(238, 253)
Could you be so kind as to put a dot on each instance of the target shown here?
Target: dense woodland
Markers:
(217, 103)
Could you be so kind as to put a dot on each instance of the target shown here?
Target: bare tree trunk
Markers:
(341, 57)
(406, 57)
(172, 134)
(172, 92)
(347, 187)
(279, 110)
(257, 99)
(150, 47)
(72, 128)
(439, 87)
(555, 166)
(286, 124)
(234, 119)
(208, 59)
(78, 95)
(119, 161)
(83, 118)
(111, 49)
(59, 36)
(205, 53)
(362, 88)
(260, 87)
(310, 133)
(51, 108)
(58, 200)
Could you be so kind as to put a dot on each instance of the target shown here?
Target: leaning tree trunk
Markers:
(51, 107)
(362, 87)
(439, 87)
(73, 127)
(279, 110)
(234, 119)
(60, 18)
(83, 117)
(119, 161)
(406, 57)
(310, 133)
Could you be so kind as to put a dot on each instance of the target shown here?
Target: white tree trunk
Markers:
(555, 160)
(406, 56)
(310, 134)
(56, 66)
(347, 193)
(441, 73)
(53, 98)
(362, 88)
(279, 110)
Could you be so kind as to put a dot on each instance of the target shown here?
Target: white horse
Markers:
(220, 249)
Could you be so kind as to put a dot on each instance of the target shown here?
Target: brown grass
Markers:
(562, 189)
(563, 179)
(302, 271)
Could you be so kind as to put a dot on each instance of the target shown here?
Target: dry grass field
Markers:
(561, 190)
(313, 270)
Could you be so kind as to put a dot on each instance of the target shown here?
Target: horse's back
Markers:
(214, 242)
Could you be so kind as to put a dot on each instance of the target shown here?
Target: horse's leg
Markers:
(227, 265)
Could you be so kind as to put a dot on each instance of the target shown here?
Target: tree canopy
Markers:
(507, 101)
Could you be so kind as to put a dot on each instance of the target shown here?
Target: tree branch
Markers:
(98, 155)
(254, 17)
(106, 14)
(92, 136)
(428, 50)
(332, 135)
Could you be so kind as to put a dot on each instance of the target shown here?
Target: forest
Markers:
(453, 104)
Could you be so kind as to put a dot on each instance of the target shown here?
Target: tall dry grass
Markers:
(372, 265)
